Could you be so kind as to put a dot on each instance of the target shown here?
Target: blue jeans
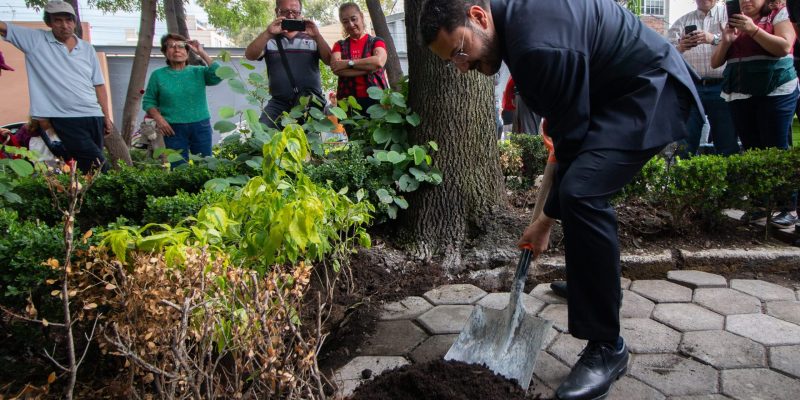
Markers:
(194, 137)
(719, 118)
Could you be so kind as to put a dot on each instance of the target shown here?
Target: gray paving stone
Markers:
(435, 347)
(723, 349)
(761, 383)
(763, 255)
(408, 308)
(542, 292)
(393, 338)
(788, 311)
(499, 301)
(550, 370)
(558, 314)
(715, 396)
(566, 348)
(727, 301)
(461, 293)
(349, 377)
(635, 306)
(538, 388)
(798, 294)
(624, 283)
(674, 375)
(785, 359)
(661, 291)
(551, 336)
(687, 317)
(628, 388)
(764, 329)
(696, 279)
(648, 336)
(445, 319)
(765, 291)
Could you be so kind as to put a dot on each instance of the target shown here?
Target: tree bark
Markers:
(169, 16)
(393, 70)
(117, 148)
(141, 59)
(457, 111)
(180, 18)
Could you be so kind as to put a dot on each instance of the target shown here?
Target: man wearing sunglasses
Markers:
(614, 93)
(292, 59)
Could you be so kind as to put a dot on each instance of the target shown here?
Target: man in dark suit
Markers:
(614, 93)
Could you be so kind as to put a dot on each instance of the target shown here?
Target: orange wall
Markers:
(15, 101)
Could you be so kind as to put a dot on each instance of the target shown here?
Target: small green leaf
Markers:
(413, 119)
(398, 100)
(237, 86)
(375, 111)
(21, 167)
(338, 112)
(394, 117)
(360, 194)
(401, 202)
(375, 92)
(255, 77)
(407, 183)
(392, 211)
(353, 103)
(382, 135)
(174, 157)
(433, 145)
(382, 156)
(217, 184)
(384, 196)
(225, 72)
(224, 126)
(226, 112)
(316, 113)
(247, 65)
(419, 154)
(395, 157)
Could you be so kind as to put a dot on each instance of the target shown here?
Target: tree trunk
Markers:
(141, 59)
(457, 111)
(169, 16)
(78, 27)
(180, 18)
(393, 70)
(117, 148)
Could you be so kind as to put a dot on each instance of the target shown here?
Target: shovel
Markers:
(506, 341)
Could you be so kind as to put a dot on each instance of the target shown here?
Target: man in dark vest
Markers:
(614, 93)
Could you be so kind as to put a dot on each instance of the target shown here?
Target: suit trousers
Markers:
(583, 189)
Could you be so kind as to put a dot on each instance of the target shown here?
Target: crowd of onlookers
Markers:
(740, 51)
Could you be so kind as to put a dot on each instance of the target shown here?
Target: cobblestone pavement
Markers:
(695, 335)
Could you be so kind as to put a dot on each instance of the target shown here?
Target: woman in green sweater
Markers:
(176, 96)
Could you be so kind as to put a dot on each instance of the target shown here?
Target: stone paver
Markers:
(499, 301)
(628, 388)
(696, 279)
(349, 377)
(687, 317)
(635, 306)
(662, 291)
(558, 314)
(727, 301)
(785, 359)
(566, 348)
(461, 293)
(715, 396)
(764, 329)
(648, 336)
(542, 292)
(435, 347)
(624, 283)
(550, 370)
(761, 383)
(765, 291)
(408, 308)
(538, 388)
(551, 336)
(798, 294)
(394, 338)
(788, 311)
(723, 349)
(445, 319)
(674, 375)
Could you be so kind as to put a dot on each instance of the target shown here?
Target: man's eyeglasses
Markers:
(460, 57)
(177, 45)
(289, 12)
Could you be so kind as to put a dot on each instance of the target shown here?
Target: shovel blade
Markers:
(506, 345)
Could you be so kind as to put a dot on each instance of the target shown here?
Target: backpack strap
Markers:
(285, 62)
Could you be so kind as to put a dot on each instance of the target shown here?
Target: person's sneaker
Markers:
(783, 220)
(750, 216)
(600, 365)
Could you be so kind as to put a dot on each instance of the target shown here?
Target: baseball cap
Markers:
(3, 64)
(55, 7)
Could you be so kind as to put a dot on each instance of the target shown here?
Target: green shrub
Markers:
(534, 155)
(173, 209)
(24, 246)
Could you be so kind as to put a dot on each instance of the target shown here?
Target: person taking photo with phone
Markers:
(291, 47)
(760, 83)
(358, 59)
(176, 97)
(696, 35)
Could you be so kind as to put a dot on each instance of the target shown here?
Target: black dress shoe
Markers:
(600, 365)
(559, 288)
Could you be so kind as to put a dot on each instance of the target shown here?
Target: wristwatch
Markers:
(351, 63)
(716, 40)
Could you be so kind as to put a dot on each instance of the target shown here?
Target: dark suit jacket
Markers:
(595, 72)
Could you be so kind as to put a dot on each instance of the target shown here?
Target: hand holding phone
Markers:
(689, 29)
(293, 25)
(732, 7)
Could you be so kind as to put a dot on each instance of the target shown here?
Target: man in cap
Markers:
(65, 83)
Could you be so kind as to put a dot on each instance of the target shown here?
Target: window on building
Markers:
(653, 7)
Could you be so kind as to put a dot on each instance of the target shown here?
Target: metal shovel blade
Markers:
(506, 341)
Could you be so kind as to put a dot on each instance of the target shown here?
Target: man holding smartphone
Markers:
(695, 35)
(292, 63)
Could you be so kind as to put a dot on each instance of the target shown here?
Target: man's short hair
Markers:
(57, 8)
(444, 14)
(279, 1)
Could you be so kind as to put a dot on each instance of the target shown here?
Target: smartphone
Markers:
(732, 6)
(689, 29)
(298, 24)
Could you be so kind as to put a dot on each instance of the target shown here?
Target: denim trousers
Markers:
(722, 132)
(194, 137)
(82, 138)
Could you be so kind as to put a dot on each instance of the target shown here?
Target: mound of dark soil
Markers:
(439, 380)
